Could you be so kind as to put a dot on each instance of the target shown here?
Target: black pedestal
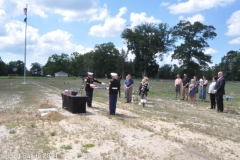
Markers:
(74, 104)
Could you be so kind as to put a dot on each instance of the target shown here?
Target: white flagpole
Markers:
(24, 82)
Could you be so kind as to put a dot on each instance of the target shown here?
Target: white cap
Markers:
(113, 74)
(90, 73)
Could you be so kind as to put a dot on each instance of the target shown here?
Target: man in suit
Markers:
(220, 91)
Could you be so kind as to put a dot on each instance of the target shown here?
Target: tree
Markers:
(165, 72)
(15, 67)
(228, 65)
(76, 64)
(3, 68)
(122, 60)
(190, 53)
(57, 63)
(146, 41)
(105, 59)
(36, 69)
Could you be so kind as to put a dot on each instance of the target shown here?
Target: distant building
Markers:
(61, 74)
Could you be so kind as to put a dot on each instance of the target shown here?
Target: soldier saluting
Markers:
(89, 91)
(114, 87)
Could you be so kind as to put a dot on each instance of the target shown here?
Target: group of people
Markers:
(142, 90)
(191, 87)
(114, 90)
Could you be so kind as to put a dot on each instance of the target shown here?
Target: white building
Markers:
(61, 74)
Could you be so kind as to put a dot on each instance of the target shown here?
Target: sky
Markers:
(67, 26)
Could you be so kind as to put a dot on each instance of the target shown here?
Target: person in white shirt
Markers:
(211, 92)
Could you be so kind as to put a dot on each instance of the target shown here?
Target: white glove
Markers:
(103, 83)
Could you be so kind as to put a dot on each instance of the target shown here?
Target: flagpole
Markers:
(24, 82)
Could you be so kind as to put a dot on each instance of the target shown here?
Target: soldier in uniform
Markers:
(114, 86)
(119, 79)
(89, 91)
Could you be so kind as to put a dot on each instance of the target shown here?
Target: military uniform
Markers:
(89, 91)
(114, 87)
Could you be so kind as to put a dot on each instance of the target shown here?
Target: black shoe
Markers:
(182, 99)
(210, 108)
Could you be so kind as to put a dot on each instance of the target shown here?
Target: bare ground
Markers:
(97, 135)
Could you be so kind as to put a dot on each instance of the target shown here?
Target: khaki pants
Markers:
(184, 93)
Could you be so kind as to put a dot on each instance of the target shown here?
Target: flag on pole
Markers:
(25, 11)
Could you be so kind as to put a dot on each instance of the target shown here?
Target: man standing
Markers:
(89, 91)
(114, 87)
(185, 83)
(219, 91)
(128, 87)
(177, 84)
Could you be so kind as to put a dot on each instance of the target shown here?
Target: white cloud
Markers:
(15, 34)
(234, 24)
(210, 51)
(195, 18)
(71, 11)
(80, 49)
(235, 41)
(103, 13)
(193, 6)
(164, 4)
(234, 27)
(2, 15)
(167, 59)
(137, 19)
(113, 25)
(54, 42)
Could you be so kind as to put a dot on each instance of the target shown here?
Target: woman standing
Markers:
(196, 85)
(211, 92)
(191, 92)
(203, 89)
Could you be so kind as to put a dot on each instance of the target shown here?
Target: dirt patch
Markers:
(53, 116)
(16, 116)
(41, 106)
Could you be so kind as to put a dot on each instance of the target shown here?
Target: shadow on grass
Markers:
(124, 116)
(119, 115)
(231, 112)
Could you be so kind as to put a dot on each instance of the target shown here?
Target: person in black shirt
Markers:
(114, 87)
(89, 91)
(185, 83)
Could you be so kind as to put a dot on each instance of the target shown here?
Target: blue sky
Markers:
(56, 27)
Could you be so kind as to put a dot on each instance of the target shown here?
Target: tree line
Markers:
(148, 42)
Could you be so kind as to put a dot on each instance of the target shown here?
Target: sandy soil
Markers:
(97, 135)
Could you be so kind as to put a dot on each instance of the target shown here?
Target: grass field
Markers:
(180, 130)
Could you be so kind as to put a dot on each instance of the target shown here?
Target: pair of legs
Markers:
(129, 94)
(213, 100)
(192, 100)
(219, 98)
(112, 103)
(177, 90)
(89, 100)
(185, 93)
